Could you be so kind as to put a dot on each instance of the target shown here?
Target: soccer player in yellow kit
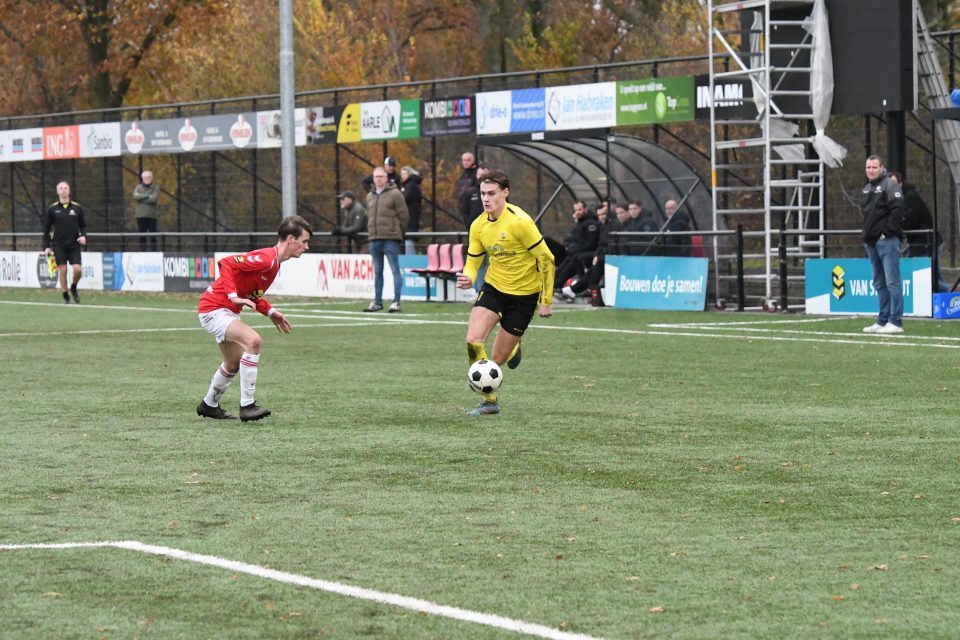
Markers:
(518, 283)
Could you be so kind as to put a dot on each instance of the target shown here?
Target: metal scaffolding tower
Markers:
(765, 172)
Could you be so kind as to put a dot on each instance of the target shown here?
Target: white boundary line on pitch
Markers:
(374, 320)
(405, 602)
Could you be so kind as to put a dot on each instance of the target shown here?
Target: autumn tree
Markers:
(87, 54)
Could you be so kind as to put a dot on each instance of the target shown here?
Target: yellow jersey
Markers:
(520, 262)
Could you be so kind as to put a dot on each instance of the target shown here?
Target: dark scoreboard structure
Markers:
(873, 55)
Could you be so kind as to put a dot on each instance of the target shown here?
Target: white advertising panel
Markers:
(15, 268)
(268, 128)
(329, 275)
(138, 271)
(5, 156)
(29, 269)
(582, 106)
(100, 140)
(25, 144)
(379, 120)
(493, 112)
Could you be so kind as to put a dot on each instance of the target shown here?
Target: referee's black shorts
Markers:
(69, 253)
(515, 312)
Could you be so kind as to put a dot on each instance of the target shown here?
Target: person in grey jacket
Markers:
(146, 195)
(387, 217)
(881, 203)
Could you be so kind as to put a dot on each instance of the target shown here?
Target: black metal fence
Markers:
(238, 191)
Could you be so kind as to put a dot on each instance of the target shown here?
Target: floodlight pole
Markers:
(288, 149)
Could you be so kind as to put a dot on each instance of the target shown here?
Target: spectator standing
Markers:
(386, 219)
(465, 188)
(146, 195)
(917, 216)
(519, 281)
(353, 221)
(410, 179)
(674, 245)
(881, 203)
(242, 281)
(64, 233)
(390, 167)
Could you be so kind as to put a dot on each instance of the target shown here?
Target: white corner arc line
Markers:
(405, 602)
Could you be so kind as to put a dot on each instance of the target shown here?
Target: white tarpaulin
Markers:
(821, 86)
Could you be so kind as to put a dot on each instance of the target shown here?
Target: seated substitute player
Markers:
(241, 283)
(518, 281)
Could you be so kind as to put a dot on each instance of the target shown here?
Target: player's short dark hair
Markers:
(498, 177)
(636, 202)
(293, 226)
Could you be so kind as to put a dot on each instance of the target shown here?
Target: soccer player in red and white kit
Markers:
(242, 282)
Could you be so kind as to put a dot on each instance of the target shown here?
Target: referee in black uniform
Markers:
(64, 232)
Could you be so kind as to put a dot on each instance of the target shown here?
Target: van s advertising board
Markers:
(845, 286)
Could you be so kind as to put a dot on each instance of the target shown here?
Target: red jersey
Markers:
(243, 276)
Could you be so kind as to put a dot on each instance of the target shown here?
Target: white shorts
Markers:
(217, 321)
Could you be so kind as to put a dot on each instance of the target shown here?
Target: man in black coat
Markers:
(581, 244)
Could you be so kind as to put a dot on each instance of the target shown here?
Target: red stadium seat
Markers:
(432, 268)
(696, 249)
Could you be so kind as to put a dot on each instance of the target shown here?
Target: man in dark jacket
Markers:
(465, 186)
(917, 216)
(410, 180)
(881, 203)
(673, 245)
(580, 242)
(64, 232)
(390, 166)
(592, 279)
(353, 220)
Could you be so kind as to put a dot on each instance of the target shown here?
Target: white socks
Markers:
(218, 386)
(248, 377)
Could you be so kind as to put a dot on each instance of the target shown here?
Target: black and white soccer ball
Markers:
(484, 376)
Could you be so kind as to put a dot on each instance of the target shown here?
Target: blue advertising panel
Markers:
(528, 110)
(639, 282)
(414, 286)
(845, 285)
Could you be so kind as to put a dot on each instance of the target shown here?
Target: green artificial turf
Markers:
(778, 479)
